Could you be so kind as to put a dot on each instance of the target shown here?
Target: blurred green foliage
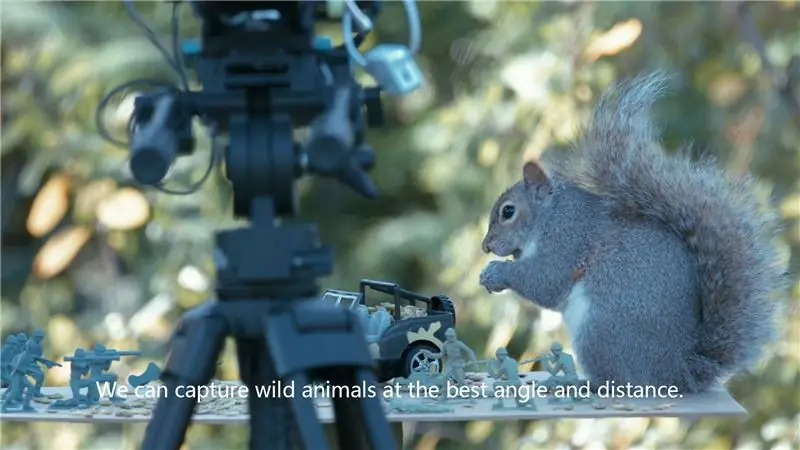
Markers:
(92, 260)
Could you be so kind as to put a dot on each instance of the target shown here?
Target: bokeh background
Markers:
(90, 257)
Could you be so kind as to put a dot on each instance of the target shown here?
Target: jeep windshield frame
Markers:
(343, 299)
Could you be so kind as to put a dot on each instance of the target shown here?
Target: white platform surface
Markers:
(717, 402)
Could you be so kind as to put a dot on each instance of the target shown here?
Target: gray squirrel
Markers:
(663, 267)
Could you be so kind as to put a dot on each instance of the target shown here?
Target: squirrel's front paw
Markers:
(493, 276)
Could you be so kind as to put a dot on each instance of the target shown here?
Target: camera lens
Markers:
(152, 154)
(149, 166)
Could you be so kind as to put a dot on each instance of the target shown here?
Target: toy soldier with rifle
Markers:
(26, 364)
(89, 370)
(78, 368)
(505, 372)
(561, 367)
(99, 370)
(555, 363)
(34, 346)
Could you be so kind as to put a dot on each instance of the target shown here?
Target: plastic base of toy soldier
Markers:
(519, 404)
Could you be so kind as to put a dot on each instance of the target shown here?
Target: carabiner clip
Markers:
(353, 12)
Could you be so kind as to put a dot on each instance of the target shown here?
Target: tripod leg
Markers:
(373, 416)
(349, 410)
(271, 426)
(194, 349)
(312, 341)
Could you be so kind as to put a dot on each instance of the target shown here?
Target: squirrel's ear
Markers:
(536, 179)
(533, 174)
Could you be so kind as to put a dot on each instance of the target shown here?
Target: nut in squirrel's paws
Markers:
(493, 276)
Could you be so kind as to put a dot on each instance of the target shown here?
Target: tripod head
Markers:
(263, 68)
(265, 74)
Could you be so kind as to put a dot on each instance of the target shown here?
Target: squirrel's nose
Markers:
(485, 246)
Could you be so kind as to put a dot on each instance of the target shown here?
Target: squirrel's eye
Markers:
(507, 212)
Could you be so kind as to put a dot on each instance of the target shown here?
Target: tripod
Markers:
(264, 74)
(265, 299)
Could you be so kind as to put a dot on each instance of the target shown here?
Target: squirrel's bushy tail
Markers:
(719, 217)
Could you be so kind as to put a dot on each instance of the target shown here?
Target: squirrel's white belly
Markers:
(576, 310)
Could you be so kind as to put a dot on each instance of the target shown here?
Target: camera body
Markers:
(260, 65)
(282, 19)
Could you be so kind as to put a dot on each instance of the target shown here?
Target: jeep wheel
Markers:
(444, 303)
(416, 361)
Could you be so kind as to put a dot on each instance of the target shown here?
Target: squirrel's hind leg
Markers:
(633, 333)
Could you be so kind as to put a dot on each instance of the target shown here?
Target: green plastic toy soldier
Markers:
(79, 368)
(34, 347)
(559, 362)
(505, 372)
(453, 351)
(97, 376)
(561, 367)
(99, 364)
(21, 388)
(27, 364)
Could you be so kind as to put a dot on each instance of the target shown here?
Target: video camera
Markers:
(265, 73)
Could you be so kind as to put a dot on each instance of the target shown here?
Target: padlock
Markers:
(394, 68)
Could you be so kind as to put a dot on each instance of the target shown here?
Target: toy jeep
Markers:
(398, 324)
